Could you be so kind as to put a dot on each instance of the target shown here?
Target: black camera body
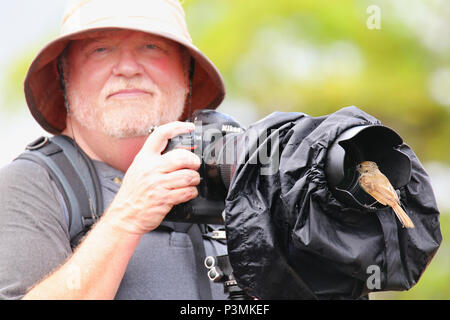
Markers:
(213, 130)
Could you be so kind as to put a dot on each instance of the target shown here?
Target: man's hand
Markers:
(155, 182)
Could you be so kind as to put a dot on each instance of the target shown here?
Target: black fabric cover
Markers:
(289, 237)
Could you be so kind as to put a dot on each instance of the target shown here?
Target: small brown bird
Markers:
(375, 183)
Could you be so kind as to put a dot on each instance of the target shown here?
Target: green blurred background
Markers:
(389, 58)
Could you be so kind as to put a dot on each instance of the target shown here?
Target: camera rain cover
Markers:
(289, 237)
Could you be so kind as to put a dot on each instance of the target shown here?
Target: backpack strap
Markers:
(75, 177)
(85, 169)
(204, 284)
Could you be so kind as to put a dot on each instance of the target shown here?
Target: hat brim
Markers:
(45, 97)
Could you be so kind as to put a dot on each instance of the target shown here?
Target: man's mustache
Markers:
(117, 87)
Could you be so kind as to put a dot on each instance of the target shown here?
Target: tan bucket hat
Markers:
(164, 18)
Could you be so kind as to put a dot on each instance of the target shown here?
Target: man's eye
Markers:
(151, 46)
(100, 50)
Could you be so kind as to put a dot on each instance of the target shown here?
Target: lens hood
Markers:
(365, 143)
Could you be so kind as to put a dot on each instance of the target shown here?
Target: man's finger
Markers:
(178, 159)
(180, 179)
(181, 195)
(157, 141)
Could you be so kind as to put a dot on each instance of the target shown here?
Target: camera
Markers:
(215, 141)
(232, 163)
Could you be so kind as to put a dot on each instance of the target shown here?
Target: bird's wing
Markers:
(384, 193)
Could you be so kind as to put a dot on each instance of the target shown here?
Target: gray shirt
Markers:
(34, 240)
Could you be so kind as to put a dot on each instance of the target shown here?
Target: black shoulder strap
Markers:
(76, 178)
(204, 284)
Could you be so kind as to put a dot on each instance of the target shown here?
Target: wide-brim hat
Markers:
(163, 18)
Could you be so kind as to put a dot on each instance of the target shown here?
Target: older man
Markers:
(124, 67)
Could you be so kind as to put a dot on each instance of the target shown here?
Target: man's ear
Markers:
(189, 70)
(186, 61)
(63, 71)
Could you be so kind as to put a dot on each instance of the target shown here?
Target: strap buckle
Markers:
(88, 222)
(38, 143)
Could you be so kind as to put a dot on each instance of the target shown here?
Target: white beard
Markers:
(128, 118)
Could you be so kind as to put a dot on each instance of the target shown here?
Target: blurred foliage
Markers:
(316, 56)
(12, 91)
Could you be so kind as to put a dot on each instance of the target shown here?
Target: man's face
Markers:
(123, 82)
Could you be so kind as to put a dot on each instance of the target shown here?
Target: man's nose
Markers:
(127, 65)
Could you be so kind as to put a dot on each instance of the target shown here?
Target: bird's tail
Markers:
(402, 216)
